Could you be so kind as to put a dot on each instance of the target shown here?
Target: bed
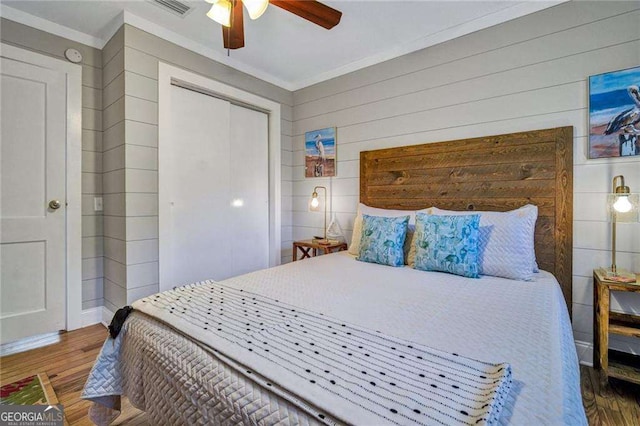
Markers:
(164, 368)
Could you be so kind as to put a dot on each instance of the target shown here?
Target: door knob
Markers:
(54, 204)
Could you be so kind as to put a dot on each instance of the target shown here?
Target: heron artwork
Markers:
(320, 153)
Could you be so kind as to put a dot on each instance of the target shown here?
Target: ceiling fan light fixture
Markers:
(221, 12)
(255, 7)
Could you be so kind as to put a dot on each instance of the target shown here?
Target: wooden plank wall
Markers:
(497, 173)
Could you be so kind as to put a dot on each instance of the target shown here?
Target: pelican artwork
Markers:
(627, 120)
(626, 124)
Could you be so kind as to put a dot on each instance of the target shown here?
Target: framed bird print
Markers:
(320, 153)
(614, 114)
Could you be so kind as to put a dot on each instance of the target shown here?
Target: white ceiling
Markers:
(279, 46)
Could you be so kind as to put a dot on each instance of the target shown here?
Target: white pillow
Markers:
(354, 248)
(505, 242)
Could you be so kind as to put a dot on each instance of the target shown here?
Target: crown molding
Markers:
(112, 28)
(50, 27)
(509, 13)
(130, 19)
(175, 38)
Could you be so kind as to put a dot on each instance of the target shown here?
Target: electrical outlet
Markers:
(97, 204)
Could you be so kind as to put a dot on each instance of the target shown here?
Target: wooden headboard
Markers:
(497, 173)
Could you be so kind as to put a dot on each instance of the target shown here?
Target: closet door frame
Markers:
(168, 74)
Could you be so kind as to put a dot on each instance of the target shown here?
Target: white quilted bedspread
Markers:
(491, 319)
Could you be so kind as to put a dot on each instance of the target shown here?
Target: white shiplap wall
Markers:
(92, 229)
(131, 154)
(115, 272)
(530, 73)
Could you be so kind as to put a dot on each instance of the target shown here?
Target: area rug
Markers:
(32, 390)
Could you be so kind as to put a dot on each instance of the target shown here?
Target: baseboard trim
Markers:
(29, 343)
(91, 316)
(585, 352)
(107, 315)
(87, 317)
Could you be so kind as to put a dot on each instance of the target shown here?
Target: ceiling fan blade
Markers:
(311, 10)
(233, 36)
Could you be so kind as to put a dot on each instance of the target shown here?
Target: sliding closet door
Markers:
(249, 153)
(214, 207)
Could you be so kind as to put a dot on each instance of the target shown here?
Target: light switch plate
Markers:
(97, 204)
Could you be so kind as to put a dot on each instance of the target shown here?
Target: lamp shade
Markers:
(255, 7)
(626, 207)
(623, 207)
(221, 12)
(314, 204)
(622, 204)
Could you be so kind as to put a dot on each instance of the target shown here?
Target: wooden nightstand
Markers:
(308, 248)
(606, 322)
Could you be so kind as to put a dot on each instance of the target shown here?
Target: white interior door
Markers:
(33, 173)
(214, 193)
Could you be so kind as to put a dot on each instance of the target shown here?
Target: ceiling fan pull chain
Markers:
(233, 6)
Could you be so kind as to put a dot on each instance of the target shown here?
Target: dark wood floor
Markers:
(68, 364)
(616, 404)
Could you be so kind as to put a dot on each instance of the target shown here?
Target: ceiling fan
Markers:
(229, 14)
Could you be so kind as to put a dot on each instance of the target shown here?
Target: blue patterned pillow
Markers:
(447, 244)
(382, 240)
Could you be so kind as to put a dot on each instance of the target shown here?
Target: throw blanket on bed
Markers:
(348, 373)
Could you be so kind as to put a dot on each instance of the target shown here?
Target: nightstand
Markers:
(605, 322)
(310, 249)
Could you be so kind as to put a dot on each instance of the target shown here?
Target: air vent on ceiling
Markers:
(173, 6)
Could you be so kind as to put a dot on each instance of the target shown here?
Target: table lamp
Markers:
(314, 205)
(623, 207)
